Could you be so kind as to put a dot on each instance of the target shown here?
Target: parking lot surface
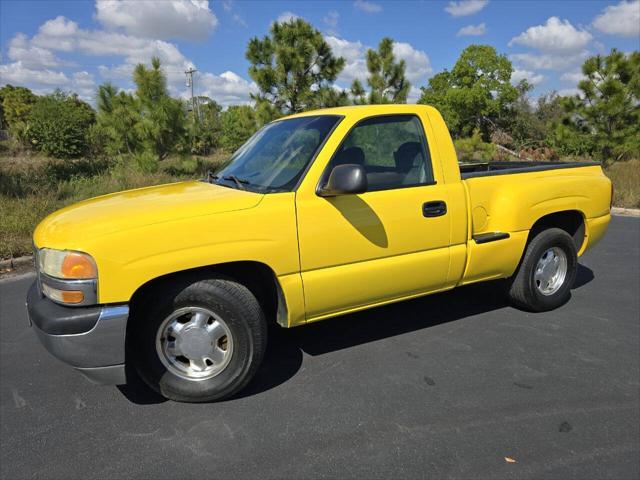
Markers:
(456, 385)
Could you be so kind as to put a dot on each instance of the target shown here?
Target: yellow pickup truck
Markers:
(318, 214)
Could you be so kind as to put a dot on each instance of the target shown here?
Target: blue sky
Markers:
(76, 45)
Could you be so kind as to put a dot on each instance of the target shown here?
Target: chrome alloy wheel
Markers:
(550, 271)
(194, 343)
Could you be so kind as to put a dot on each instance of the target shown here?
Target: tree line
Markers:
(295, 70)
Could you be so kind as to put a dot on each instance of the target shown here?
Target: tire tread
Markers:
(520, 291)
(225, 290)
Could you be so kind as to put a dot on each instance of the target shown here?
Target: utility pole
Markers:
(189, 73)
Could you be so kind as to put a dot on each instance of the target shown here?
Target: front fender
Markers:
(129, 259)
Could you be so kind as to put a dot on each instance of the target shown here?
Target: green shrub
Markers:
(58, 125)
(15, 107)
(474, 149)
(97, 141)
(146, 162)
(238, 124)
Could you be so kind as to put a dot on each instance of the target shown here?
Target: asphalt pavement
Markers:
(456, 385)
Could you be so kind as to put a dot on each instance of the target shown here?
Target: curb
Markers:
(626, 212)
(16, 267)
(15, 262)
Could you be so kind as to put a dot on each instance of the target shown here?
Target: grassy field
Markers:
(31, 187)
(626, 183)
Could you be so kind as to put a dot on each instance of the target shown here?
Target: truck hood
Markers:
(130, 209)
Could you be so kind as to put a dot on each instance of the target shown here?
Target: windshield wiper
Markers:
(238, 181)
(211, 176)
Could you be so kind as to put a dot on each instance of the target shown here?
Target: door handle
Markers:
(434, 209)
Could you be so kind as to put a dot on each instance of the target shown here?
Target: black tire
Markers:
(228, 299)
(522, 287)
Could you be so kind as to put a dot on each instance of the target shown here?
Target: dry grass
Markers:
(626, 183)
(18, 218)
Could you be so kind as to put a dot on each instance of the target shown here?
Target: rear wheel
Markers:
(548, 269)
(200, 341)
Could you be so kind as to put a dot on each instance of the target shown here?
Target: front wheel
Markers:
(548, 269)
(199, 341)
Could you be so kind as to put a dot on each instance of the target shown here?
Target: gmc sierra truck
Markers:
(318, 214)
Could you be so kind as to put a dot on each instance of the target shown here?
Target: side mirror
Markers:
(345, 179)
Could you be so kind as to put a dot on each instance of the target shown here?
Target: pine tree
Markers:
(386, 75)
(163, 118)
(293, 67)
(607, 113)
(358, 93)
(118, 117)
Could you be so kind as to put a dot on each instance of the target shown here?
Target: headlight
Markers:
(68, 277)
(67, 264)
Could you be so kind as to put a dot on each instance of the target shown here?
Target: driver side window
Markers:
(392, 149)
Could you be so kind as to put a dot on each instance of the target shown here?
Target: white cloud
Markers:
(61, 34)
(549, 61)
(572, 77)
(287, 17)
(57, 34)
(64, 35)
(414, 94)
(622, 19)
(59, 27)
(418, 65)
(17, 73)
(559, 45)
(533, 78)
(353, 53)
(331, 21)
(569, 92)
(117, 73)
(186, 19)
(472, 30)
(344, 48)
(465, 7)
(556, 36)
(84, 85)
(227, 88)
(367, 7)
(30, 56)
(417, 61)
(44, 80)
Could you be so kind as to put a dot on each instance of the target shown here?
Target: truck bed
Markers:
(489, 169)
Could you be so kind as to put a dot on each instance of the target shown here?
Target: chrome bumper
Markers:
(92, 340)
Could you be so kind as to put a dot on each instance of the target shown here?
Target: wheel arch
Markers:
(571, 221)
(258, 277)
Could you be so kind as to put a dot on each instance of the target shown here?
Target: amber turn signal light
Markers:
(63, 296)
(72, 296)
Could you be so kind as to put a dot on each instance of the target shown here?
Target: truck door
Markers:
(387, 243)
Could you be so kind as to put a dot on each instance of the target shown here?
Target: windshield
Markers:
(275, 157)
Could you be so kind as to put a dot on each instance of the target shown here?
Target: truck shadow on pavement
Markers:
(285, 350)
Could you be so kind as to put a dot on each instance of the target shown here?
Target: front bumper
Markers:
(90, 339)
